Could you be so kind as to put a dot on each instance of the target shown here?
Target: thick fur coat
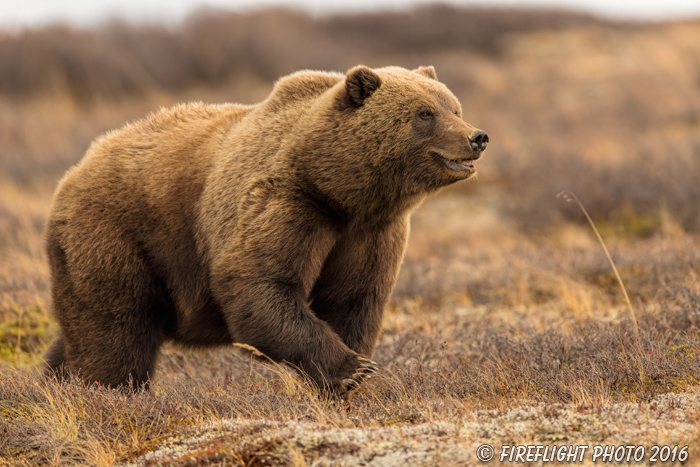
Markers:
(280, 225)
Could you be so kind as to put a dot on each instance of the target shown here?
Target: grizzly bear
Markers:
(280, 225)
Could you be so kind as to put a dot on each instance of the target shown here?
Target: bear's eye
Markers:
(426, 114)
(457, 113)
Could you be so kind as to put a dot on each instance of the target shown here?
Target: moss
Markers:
(627, 221)
(23, 339)
(684, 352)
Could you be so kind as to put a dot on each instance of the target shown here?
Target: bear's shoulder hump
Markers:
(304, 84)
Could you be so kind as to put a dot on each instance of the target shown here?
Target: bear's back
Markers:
(192, 117)
(150, 163)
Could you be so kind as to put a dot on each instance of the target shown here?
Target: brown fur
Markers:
(280, 225)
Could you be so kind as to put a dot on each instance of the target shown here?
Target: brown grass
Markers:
(507, 325)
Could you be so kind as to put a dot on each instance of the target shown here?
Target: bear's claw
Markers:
(364, 370)
(350, 385)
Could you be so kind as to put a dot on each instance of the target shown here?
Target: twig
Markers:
(570, 196)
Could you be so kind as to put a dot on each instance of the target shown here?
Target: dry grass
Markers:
(453, 374)
(507, 324)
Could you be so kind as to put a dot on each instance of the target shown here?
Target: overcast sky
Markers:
(18, 13)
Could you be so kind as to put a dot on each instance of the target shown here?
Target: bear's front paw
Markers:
(364, 368)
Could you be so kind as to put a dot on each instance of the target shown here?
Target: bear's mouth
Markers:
(457, 165)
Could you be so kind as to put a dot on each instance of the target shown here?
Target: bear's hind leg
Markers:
(109, 306)
(116, 340)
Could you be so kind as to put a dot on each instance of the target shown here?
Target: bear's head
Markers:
(410, 127)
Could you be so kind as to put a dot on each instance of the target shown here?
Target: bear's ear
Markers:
(428, 71)
(360, 83)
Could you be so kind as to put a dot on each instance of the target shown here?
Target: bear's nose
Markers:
(478, 141)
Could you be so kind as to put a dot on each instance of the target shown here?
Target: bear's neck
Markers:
(365, 204)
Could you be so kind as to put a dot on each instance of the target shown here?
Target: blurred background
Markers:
(601, 98)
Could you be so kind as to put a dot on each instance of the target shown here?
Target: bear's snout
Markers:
(478, 142)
